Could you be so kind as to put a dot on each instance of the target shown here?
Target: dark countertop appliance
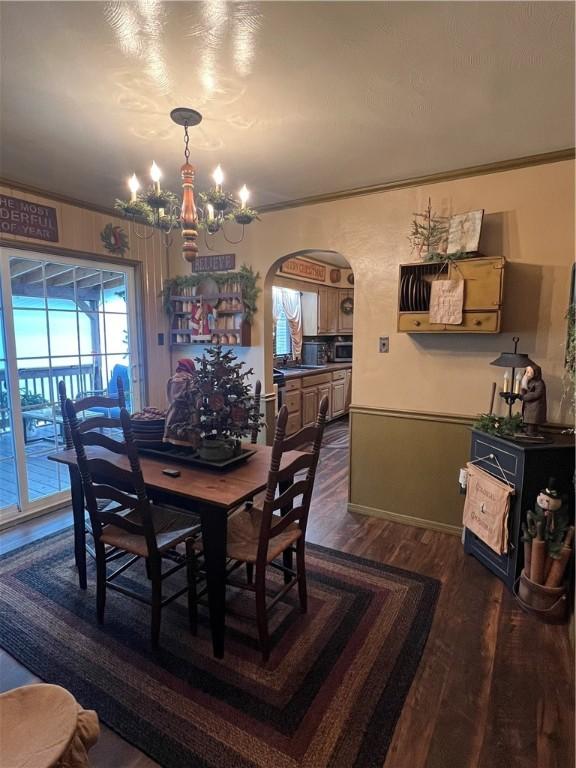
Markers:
(314, 353)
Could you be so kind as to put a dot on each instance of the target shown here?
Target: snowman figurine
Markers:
(551, 511)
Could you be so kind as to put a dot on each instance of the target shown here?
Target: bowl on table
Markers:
(148, 427)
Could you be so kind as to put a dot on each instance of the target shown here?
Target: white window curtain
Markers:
(290, 302)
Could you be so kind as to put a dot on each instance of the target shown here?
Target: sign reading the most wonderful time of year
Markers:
(19, 217)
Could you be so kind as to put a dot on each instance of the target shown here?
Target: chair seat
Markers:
(171, 528)
(244, 535)
(42, 726)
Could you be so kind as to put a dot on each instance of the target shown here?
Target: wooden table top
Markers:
(219, 488)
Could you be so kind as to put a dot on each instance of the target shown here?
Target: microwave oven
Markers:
(342, 352)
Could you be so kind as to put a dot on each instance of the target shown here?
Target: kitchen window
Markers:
(282, 341)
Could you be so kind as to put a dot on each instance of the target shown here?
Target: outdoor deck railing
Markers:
(44, 381)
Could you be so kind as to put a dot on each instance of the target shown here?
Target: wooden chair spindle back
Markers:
(283, 478)
(256, 410)
(84, 404)
(125, 487)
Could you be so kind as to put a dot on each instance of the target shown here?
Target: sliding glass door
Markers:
(64, 320)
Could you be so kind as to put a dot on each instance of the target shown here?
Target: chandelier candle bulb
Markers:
(155, 175)
(506, 382)
(218, 177)
(517, 383)
(134, 186)
(209, 212)
(244, 195)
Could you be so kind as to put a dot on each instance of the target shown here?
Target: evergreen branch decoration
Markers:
(164, 199)
(136, 208)
(499, 425)
(429, 233)
(246, 276)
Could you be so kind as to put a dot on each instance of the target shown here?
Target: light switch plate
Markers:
(384, 343)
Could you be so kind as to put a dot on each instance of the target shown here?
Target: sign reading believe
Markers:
(214, 263)
(19, 217)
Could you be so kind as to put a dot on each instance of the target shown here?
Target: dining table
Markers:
(210, 494)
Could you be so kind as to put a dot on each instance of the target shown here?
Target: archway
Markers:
(324, 281)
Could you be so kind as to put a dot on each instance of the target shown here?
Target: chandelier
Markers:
(164, 210)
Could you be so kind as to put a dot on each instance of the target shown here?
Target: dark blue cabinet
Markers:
(528, 467)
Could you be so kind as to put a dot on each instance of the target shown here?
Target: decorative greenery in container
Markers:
(245, 276)
(145, 205)
(504, 426)
(243, 215)
(138, 209)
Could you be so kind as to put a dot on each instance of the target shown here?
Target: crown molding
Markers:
(418, 181)
(543, 158)
(56, 197)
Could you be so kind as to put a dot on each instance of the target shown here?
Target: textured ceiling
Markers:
(298, 98)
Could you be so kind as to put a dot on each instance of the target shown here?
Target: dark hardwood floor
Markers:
(494, 688)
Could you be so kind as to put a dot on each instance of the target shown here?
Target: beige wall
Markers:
(529, 219)
(79, 233)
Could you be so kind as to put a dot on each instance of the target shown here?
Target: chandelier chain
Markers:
(186, 140)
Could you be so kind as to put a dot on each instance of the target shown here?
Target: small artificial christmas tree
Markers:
(214, 407)
(429, 233)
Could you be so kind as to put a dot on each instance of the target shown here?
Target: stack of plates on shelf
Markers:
(148, 427)
(414, 293)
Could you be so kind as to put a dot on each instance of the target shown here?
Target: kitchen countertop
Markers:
(328, 368)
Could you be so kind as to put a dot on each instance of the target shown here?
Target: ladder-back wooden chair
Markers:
(81, 546)
(129, 522)
(256, 410)
(257, 537)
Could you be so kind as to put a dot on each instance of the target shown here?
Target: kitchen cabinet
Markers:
(309, 405)
(313, 390)
(345, 322)
(483, 290)
(321, 312)
(333, 310)
(322, 319)
(348, 392)
(292, 399)
(338, 393)
(338, 398)
(302, 396)
(326, 390)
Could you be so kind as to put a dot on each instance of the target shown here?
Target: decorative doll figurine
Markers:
(551, 514)
(533, 396)
(211, 318)
(183, 414)
(197, 319)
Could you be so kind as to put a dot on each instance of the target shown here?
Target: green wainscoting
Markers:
(404, 466)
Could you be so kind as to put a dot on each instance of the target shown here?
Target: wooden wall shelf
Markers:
(230, 328)
(483, 286)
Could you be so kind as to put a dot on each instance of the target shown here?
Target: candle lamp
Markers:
(511, 389)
